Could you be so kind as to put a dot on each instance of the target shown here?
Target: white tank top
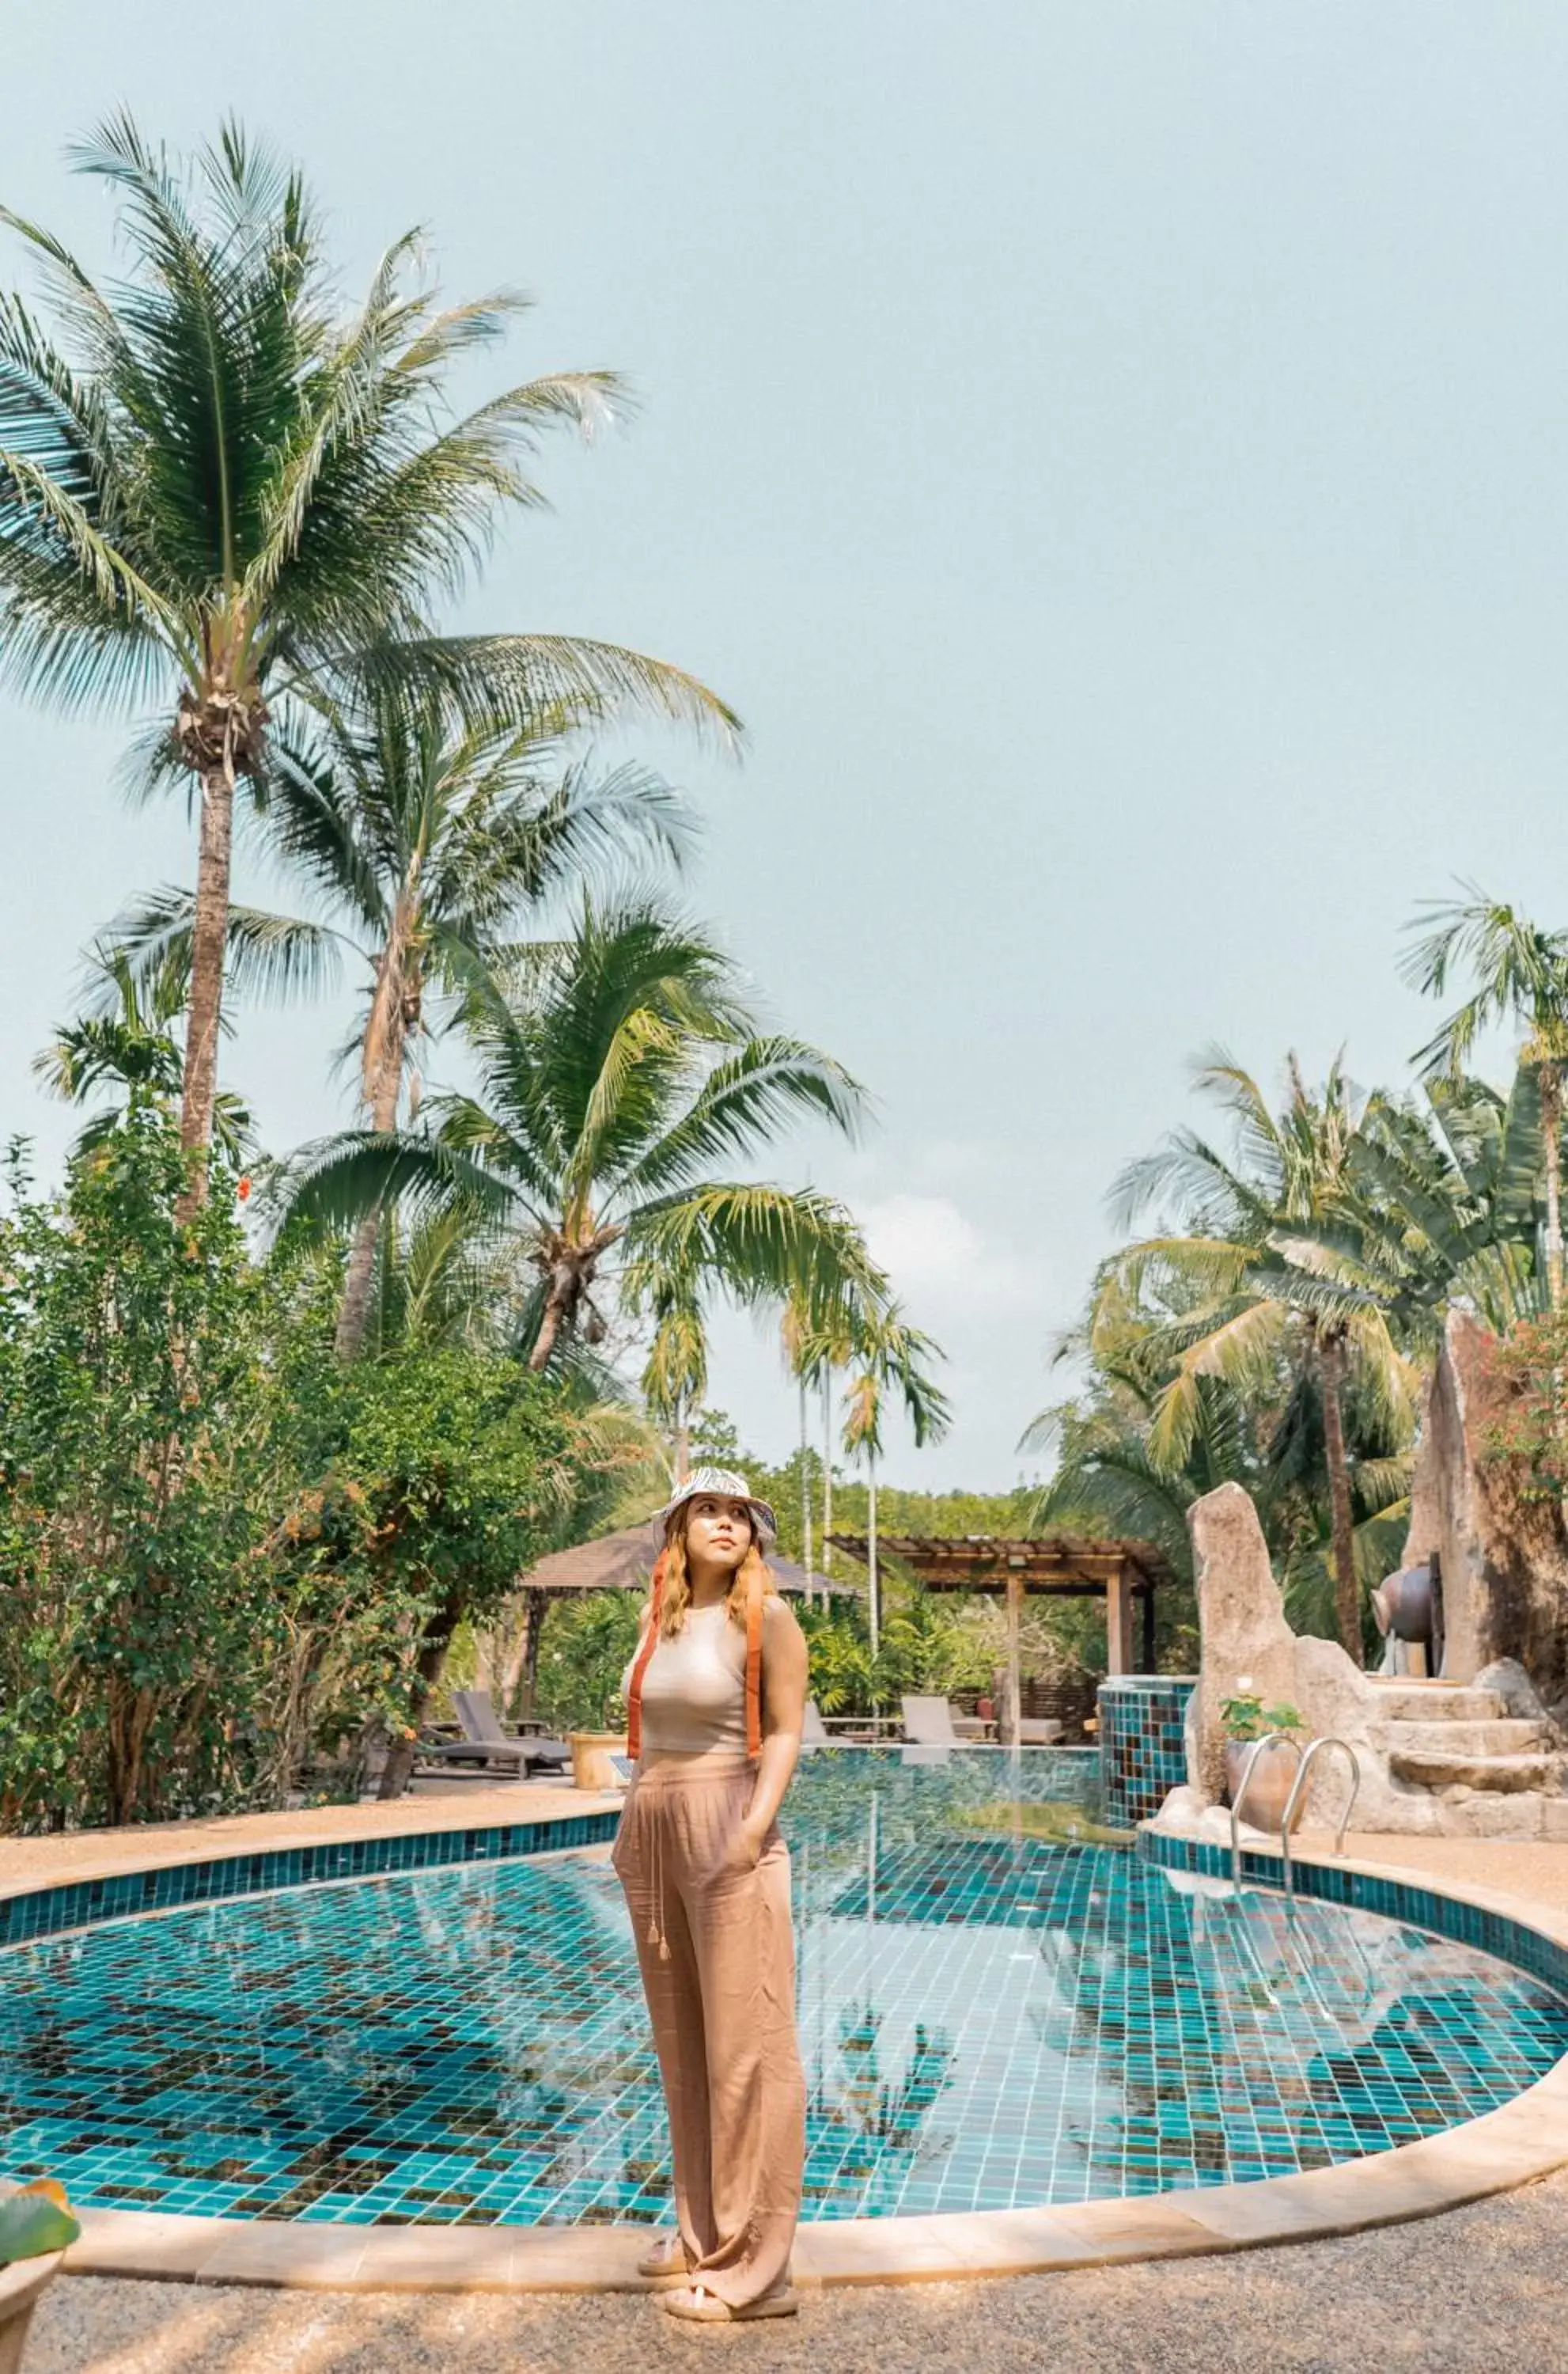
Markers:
(694, 1687)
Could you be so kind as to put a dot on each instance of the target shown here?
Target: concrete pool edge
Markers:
(1524, 2139)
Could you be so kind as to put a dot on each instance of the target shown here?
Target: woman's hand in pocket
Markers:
(743, 1851)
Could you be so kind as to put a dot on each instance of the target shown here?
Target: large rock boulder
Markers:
(1242, 1622)
(1504, 1557)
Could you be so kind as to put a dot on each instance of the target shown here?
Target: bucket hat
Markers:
(723, 1484)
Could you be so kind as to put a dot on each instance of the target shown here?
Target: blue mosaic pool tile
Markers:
(986, 2020)
(1399, 1900)
(50, 1911)
(1142, 1743)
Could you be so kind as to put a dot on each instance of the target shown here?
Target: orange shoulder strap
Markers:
(649, 1642)
(754, 1666)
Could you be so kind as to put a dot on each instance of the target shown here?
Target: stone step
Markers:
(1510, 1735)
(1400, 1701)
(1498, 1772)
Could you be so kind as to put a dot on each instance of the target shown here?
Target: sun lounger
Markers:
(928, 1722)
(484, 1746)
(813, 1731)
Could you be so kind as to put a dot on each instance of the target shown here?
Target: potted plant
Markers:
(1246, 1721)
(36, 2227)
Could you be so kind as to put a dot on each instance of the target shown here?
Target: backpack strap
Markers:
(649, 1642)
(754, 1666)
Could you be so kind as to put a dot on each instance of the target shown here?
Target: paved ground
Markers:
(1479, 2291)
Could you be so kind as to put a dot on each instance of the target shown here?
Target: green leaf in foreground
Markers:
(31, 2224)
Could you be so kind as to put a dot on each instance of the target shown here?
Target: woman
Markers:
(716, 1695)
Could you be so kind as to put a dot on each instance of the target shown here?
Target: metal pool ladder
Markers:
(1314, 1747)
(1272, 1739)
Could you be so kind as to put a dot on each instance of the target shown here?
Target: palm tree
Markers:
(1272, 1267)
(1443, 1197)
(423, 837)
(615, 1067)
(885, 1355)
(125, 1044)
(1521, 975)
(213, 485)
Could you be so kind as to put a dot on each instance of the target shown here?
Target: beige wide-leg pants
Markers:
(717, 1953)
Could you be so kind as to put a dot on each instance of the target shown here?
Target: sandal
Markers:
(668, 2257)
(698, 2306)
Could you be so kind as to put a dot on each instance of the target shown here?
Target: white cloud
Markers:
(940, 1262)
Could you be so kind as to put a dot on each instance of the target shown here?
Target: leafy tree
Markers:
(1521, 974)
(134, 1398)
(455, 1466)
(214, 485)
(622, 1065)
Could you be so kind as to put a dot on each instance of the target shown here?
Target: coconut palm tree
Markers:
(214, 483)
(125, 1046)
(615, 1067)
(886, 1358)
(1271, 1267)
(421, 839)
(1521, 975)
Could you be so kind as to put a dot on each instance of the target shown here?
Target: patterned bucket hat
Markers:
(723, 1484)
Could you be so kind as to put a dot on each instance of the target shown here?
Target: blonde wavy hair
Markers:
(677, 1595)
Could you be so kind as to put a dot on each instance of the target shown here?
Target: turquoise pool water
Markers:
(989, 2019)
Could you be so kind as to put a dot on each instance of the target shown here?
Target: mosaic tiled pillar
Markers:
(1142, 1752)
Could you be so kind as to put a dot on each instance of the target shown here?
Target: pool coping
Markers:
(1524, 2139)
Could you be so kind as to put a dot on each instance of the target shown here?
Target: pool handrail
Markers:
(1314, 1746)
(1269, 1739)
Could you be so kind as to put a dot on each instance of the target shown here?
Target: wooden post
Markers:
(538, 1601)
(1148, 1628)
(1118, 1623)
(1013, 1710)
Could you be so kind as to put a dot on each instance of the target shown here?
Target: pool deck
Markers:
(1525, 2139)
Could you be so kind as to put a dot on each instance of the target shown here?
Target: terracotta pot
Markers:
(1273, 1777)
(592, 1768)
(20, 2286)
(1402, 1604)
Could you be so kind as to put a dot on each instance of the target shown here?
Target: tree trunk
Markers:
(827, 1475)
(538, 1606)
(432, 1657)
(209, 948)
(1552, 1130)
(382, 1077)
(873, 1579)
(805, 1495)
(1347, 1589)
(549, 1328)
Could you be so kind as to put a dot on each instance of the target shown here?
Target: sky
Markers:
(1112, 454)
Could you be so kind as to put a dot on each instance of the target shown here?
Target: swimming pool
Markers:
(989, 2018)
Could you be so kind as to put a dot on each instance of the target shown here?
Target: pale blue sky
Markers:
(1112, 454)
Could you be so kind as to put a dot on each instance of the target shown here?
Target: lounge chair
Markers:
(813, 1731)
(1037, 1732)
(928, 1722)
(486, 1746)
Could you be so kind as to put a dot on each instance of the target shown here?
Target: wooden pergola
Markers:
(1059, 1566)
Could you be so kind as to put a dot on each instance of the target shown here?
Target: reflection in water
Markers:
(990, 2016)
